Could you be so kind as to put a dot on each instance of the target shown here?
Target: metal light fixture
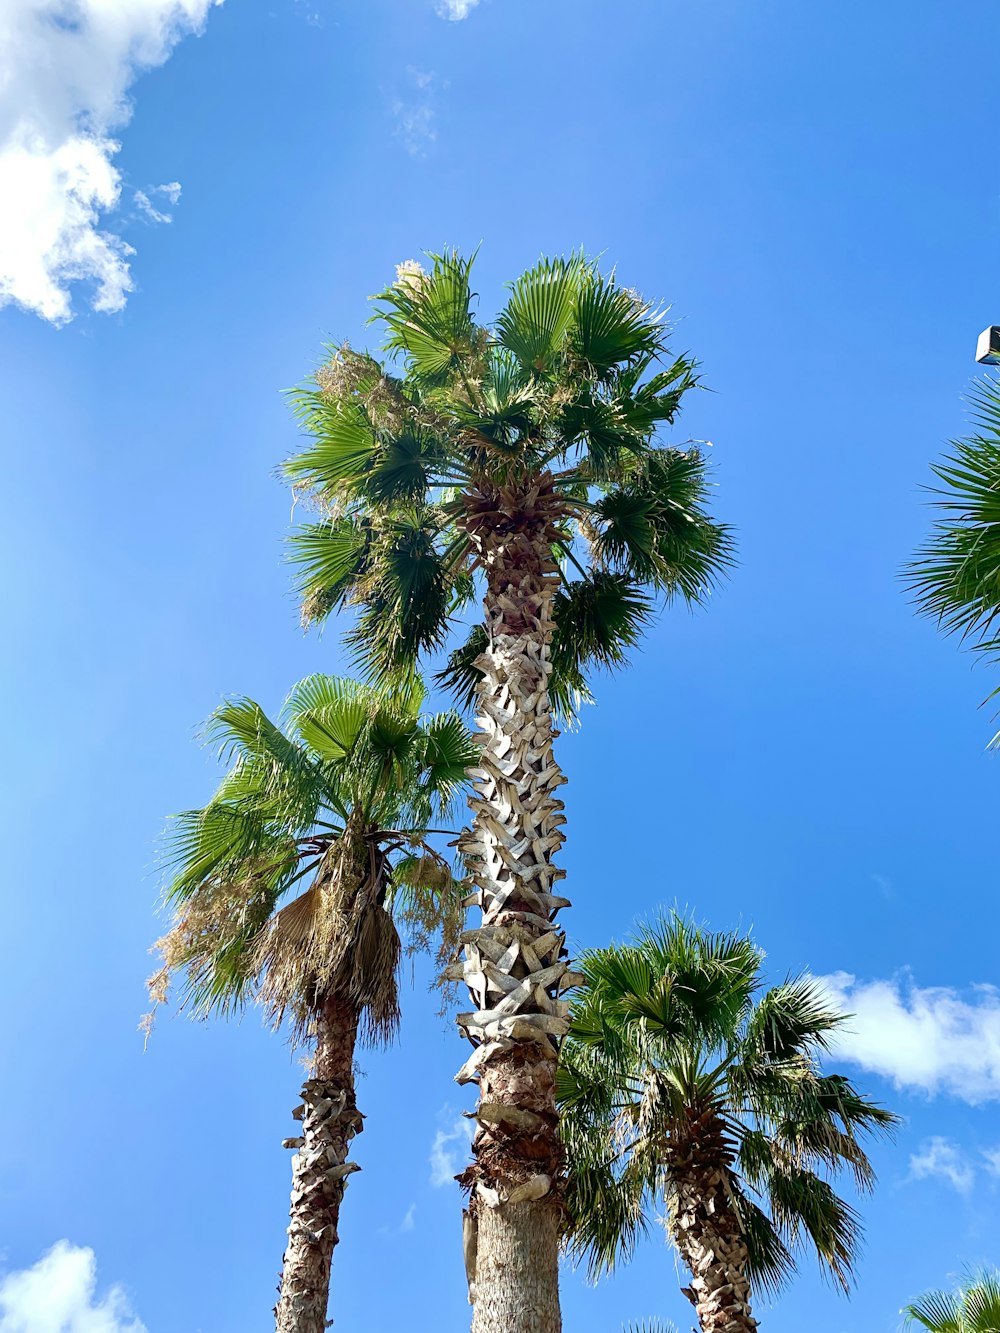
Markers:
(988, 347)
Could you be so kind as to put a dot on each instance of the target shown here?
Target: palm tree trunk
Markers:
(514, 962)
(707, 1231)
(320, 1168)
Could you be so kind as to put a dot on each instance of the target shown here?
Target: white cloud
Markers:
(992, 1158)
(929, 1039)
(408, 1221)
(448, 1151)
(58, 1295)
(142, 200)
(456, 9)
(941, 1158)
(65, 69)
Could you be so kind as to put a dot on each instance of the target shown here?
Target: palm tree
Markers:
(518, 463)
(955, 577)
(682, 1080)
(973, 1308)
(284, 886)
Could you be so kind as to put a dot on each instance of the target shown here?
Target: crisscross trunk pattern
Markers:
(514, 961)
(706, 1228)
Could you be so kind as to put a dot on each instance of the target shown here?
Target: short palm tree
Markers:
(683, 1080)
(955, 577)
(518, 463)
(284, 888)
(973, 1308)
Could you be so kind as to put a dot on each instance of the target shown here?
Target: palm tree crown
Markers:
(680, 1070)
(353, 773)
(973, 1308)
(544, 423)
(955, 577)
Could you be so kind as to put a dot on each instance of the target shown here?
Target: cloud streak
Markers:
(925, 1039)
(448, 1151)
(68, 66)
(456, 10)
(59, 1295)
(415, 112)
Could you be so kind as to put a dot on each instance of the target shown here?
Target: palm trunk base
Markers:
(516, 1286)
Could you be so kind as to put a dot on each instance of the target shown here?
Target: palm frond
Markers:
(540, 312)
(329, 559)
(802, 1203)
(937, 1311)
(614, 325)
(341, 446)
(427, 315)
(597, 620)
(955, 577)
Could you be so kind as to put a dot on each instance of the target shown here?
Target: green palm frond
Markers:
(614, 326)
(597, 620)
(329, 559)
(542, 308)
(938, 1311)
(973, 1308)
(955, 577)
(804, 1205)
(770, 1263)
(791, 1017)
(342, 442)
(427, 315)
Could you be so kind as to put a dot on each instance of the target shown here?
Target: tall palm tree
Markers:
(973, 1308)
(284, 888)
(517, 463)
(955, 577)
(681, 1080)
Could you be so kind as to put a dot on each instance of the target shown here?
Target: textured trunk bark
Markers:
(514, 962)
(707, 1231)
(320, 1168)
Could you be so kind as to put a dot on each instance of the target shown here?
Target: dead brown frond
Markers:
(354, 376)
(335, 938)
(373, 963)
(432, 916)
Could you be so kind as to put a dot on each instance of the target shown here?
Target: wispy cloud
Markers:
(454, 10)
(144, 202)
(408, 1221)
(940, 1158)
(926, 1039)
(415, 112)
(450, 1149)
(67, 71)
(59, 1295)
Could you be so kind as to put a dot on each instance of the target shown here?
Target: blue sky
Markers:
(815, 190)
